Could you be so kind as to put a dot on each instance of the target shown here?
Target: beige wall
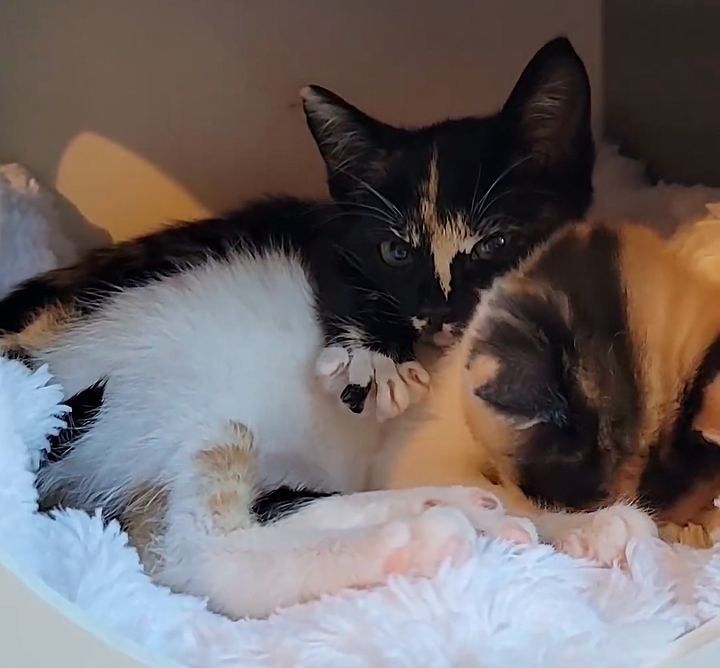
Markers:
(662, 71)
(150, 109)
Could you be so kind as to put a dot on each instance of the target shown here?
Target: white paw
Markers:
(360, 376)
(485, 512)
(420, 545)
(605, 535)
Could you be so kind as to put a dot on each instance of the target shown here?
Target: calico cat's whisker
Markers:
(347, 214)
(473, 201)
(392, 208)
(367, 207)
(500, 177)
(380, 297)
(480, 213)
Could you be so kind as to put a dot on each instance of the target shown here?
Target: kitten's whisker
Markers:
(367, 207)
(347, 214)
(390, 206)
(500, 177)
(497, 198)
(473, 201)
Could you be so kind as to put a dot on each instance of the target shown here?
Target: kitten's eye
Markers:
(395, 253)
(488, 247)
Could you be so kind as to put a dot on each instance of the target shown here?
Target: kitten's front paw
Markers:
(426, 541)
(605, 535)
(360, 374)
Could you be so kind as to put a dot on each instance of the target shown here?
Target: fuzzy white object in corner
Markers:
(34, 221)
(623, 192)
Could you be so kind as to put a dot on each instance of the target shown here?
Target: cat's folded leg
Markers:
(254, 572)
(482, 508)
(204, 538)
(213, 545)
(360, 375)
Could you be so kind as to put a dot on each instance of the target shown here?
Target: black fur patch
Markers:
(84, 407)
(532, 349)
(587, 272)
(569, 443)
(278, 223)
(353, 396)
(277, 503)
(674, 468)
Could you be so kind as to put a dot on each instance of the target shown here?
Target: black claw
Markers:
(353, 396)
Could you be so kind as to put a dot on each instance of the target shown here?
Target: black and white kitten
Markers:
(165, 342)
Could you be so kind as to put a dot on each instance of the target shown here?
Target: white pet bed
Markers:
(507, 607)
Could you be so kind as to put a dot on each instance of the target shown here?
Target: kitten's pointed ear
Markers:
(707, 419)
(548, 111)
(353, 145)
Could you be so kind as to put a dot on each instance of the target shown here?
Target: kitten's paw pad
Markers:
(437, 535)
(359, 373)
(605, 536)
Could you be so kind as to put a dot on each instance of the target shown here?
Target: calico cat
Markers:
(588, 376)
(164, 342)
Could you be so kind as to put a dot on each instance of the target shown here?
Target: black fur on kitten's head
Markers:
(433, 214)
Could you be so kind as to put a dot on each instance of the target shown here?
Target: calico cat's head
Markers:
(600, 358)
(441, 210)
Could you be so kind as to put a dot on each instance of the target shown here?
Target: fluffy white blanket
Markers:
(527, 607)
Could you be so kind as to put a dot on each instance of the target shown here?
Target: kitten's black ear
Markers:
(354, 146)
(548, 111)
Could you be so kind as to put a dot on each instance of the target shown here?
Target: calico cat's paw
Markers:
(360, 374)
(604, 537)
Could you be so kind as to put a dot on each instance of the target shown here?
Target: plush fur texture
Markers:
(588, 376)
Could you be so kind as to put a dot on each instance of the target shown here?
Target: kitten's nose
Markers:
(436, 317)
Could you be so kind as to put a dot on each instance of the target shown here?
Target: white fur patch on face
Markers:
(419, 323)
(447, 238)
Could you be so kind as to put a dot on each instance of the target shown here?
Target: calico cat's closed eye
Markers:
(489, 247)
(395, 253)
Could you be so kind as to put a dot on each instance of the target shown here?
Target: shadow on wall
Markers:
(144, 111)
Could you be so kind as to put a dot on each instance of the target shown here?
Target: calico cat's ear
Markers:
(354, 146)
(707, 419)
(548, 111)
